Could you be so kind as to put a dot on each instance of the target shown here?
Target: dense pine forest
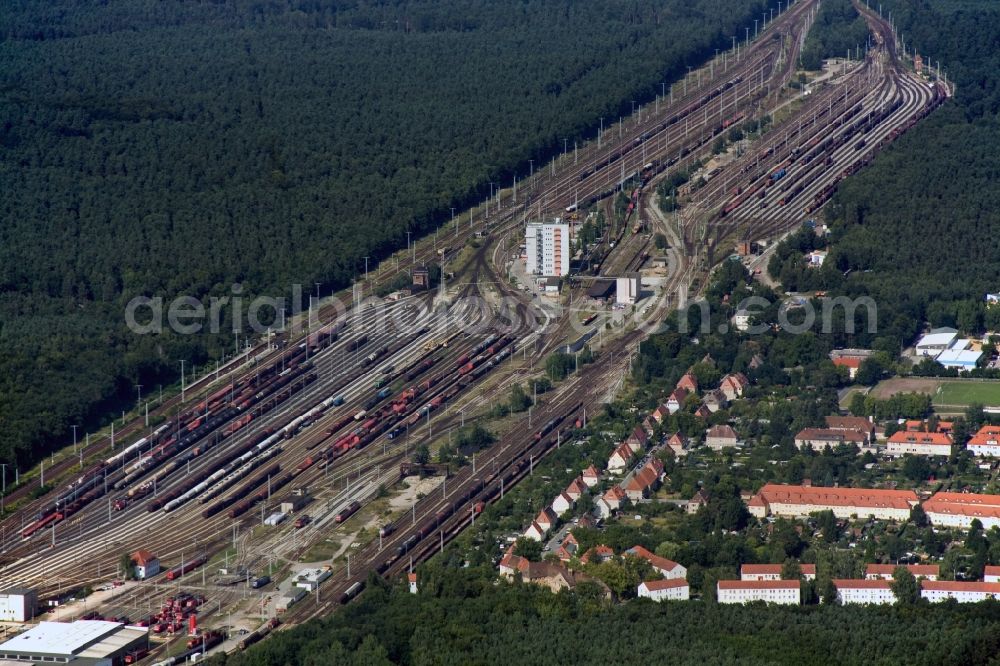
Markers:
(838, 28)
(160, 147)
(917, 230)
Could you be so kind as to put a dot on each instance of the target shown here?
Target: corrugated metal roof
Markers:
(60, 637)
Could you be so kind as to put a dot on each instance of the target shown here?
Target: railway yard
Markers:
(338, 408)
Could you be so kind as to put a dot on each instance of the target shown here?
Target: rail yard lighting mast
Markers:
(182, 380)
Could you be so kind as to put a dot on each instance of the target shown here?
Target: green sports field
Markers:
(966, 393)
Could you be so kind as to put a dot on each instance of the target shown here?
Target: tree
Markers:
(857, 405)
(826, 522)
(667, 549)
(827, 591)
(527, 548)
(660, 241)
(916, 468)
(918, 516)
(422, 455)
(870, 372)
(127, 566)
(905, 586)
(791, 570)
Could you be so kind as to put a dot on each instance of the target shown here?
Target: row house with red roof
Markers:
(541, 525)
(644, 481)
(919, 444)
(918, 425)
(819, 438)
(888, 571)
(946, 509)
(986, 442)
(959, 590)
(797, 501)
(773, 571)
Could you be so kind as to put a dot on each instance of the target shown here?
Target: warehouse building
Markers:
(81, 643)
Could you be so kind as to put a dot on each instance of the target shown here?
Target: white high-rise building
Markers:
(547, 249)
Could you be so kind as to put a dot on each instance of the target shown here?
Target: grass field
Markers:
(966, 393)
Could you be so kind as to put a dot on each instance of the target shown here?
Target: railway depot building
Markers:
(18, 604)
(81, 643)
(798, 501)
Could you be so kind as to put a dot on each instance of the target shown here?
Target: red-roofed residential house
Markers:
(146, 564)
(620, 458)
(535, 532)
(852, 365)
(575, 489)
(645, 481)
(676, 400)
(638, 439)
(591, 477)
(677, 443)
(547, 518)
(660, 413)
(610, 501)
(567, 549)
(597, 554)
(675, 589)
(919, 444)
(688, 382)
(668, 568)
(991, 574)
(561, 504)
(733, 386)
